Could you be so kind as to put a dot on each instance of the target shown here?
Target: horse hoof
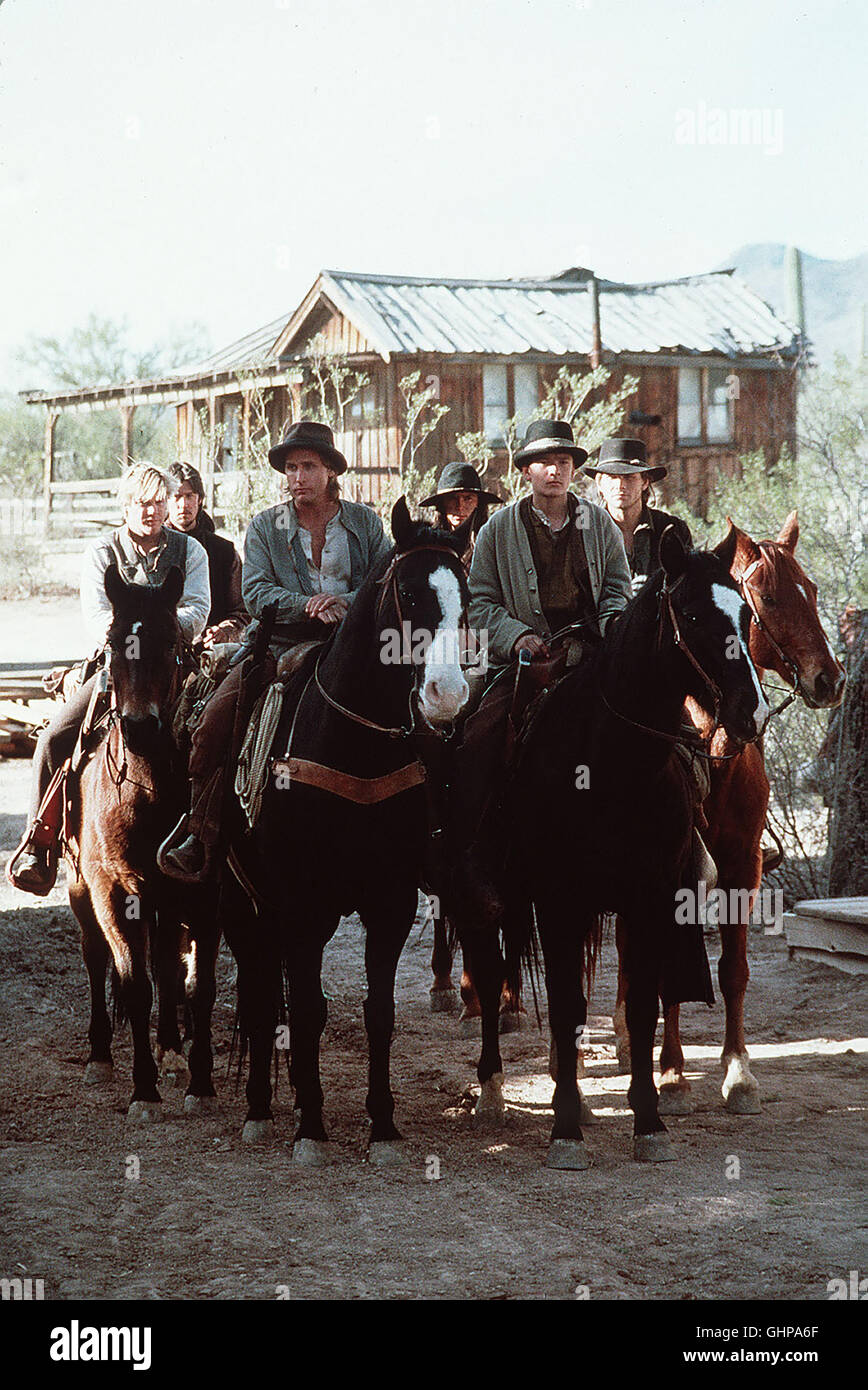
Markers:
(98, 1074)
(470, 1027)
(444, 1001)
(144, 1112)
(257, 1132)
(490, 1111)
(740, 1090)
(569, 1154)
(311, 1153)
(201, 1105)
(743, 1100)
(674, 1100)
(388, 1153)
(653, 1148)
(509, 1022)
(173, 1069)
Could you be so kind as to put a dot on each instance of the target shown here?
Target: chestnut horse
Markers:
(786, 637)
(125, 802)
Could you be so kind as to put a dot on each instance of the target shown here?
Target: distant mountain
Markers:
(835, 293)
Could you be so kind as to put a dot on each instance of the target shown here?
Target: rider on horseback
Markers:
(144, 550)
(460, 495)
(309, 555)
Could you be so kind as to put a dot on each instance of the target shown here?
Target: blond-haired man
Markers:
(144, 550)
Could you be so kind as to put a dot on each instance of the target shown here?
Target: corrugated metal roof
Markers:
(712, 313)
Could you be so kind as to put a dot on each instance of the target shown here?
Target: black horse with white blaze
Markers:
(344, 823)
(598, 818)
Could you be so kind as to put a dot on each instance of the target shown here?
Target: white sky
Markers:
(202, 159)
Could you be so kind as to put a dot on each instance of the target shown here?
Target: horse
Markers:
(344, 825)
(120, 806)
(786, 637)
(597, 816)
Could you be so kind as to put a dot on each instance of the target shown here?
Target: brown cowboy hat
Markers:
(307, 434)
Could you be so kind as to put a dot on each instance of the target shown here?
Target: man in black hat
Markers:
(309, 555)
(624, 477)
(460, 495)
(549, 560)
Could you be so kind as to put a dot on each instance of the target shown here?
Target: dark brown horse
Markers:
(786, 637)
(124, 804)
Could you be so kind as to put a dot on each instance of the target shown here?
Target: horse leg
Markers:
(386, 931)
(258, 1008)
(674, 1086)
(641, 964)
(568, 1012)
(201, 988)
(307, 1020)
(127, 938)
(483, 962)
(442, 990)
(619, 1017)
(471, 1008)
(166, 955)
(94, 949)
(740, 1090)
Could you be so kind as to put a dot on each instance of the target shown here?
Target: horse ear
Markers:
(172, 587)
(672, 553)
(401, 523)
(114, 586)
(789, 535)
(725, 549)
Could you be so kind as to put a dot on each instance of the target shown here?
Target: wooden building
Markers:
(716, 371)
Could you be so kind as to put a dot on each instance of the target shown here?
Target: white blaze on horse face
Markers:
(444, 689)
(728, 602)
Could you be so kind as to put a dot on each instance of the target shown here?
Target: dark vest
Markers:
(561, 566)
(221, 556)
(645, 558)
(175, 553)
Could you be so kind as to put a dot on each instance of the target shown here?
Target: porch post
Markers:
(127, 413)
(48, 467)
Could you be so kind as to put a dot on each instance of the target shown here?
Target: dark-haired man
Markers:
(228, 617)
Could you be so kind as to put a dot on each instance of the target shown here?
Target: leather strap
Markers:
(365, 791)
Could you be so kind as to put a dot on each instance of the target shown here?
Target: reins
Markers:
(748, 594)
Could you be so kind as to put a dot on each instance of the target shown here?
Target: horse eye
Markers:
(768, 600)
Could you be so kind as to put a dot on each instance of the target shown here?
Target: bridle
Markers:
(666, 611)
(748, 592)
(388, 585)
(118, 773)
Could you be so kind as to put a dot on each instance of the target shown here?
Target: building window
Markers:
(525, 393)
(495, 401)
(509, 391)
(704, 405)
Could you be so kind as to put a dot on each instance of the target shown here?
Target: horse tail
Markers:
(521, 944)
(591, 952)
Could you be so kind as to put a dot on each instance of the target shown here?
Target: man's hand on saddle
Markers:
(530, 643)
(329, 608)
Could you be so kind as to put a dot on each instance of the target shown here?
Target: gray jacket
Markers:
(504, 593)
(275, 569)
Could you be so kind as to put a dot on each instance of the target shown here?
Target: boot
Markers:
(33, 869)
(190, 861)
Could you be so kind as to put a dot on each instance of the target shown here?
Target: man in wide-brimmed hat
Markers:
(309, 555)
(550, 559)
(624, 478)
(460, 495)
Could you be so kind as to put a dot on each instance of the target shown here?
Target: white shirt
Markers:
(333, 575)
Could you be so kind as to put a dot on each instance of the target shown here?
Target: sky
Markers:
(201, 160)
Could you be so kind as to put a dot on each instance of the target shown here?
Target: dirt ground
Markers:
(209, 1218)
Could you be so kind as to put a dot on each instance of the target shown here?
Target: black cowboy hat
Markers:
(459, 477)
(620, 456)
(307, 434)
(549, 437)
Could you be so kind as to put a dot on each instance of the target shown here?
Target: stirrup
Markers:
(29, 844)
(175, 837)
